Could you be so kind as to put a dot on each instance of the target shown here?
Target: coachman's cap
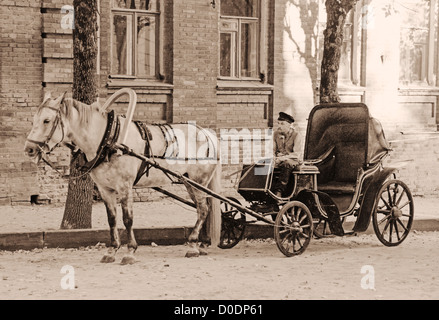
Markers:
(285, 117)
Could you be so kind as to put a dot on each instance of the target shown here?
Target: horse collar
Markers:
(105, 149)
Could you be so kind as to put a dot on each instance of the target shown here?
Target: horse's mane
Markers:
(84, 110)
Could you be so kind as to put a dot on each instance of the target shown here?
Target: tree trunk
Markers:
(78, 208)
(336, 11)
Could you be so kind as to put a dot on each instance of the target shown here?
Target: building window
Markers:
(418, 41)
(134, 38)
(239, 39)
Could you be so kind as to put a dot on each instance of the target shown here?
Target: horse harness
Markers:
(146, 135)
(107, 146)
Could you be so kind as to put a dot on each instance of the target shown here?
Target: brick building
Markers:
(226, 65)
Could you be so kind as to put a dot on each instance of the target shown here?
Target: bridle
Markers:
(45, 148)
(45, 144)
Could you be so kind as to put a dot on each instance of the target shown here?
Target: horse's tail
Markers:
(214, 218)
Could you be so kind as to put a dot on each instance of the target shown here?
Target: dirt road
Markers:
(338, 268)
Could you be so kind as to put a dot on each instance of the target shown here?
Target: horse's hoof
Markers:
(128, 260)
(192, 253)
(108, 259)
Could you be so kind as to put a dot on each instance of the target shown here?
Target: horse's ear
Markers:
(47, 96)
(60, 99)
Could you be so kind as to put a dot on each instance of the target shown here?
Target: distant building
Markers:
(226, 64)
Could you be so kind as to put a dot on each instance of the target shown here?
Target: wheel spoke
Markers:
(302, 218)
(385, 202)
(298, 241)
(402, 225)
(389, 196)
(383, 219)
(395, 192)
(385, 227)
(391, 231)
(298, 212)
(304, 235)
(288, 218)
(400, 197)
(396, 230)
(405, 204)
(286, 240)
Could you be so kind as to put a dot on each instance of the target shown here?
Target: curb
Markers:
(85, 238)
(144, 236)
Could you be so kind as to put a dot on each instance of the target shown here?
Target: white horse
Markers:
(95, 133)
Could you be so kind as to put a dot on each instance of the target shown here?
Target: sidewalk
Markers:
(162, 222)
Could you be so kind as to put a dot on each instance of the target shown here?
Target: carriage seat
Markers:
(339, 171)
(333, 187)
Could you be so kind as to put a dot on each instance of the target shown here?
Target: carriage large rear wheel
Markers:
(393, 214)
(232, 225)
(293, 228)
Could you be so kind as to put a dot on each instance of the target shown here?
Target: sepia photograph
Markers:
(216, 157)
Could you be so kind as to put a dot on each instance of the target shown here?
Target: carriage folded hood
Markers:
(347, 127)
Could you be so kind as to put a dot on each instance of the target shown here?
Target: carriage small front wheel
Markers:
(232, 225)
(393, 213)
(293, 228)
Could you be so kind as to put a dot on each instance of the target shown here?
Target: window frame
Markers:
(134, 14)
(429, 61)
(355, 60)
(236, 63)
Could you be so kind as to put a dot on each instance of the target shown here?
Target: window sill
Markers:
(137, 83)
(410, 90)
(349, 87)
(243, 85)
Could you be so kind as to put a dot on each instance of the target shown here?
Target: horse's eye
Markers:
(46, 121)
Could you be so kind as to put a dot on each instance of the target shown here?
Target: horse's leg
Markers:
(127, 210)
(200, 200)
(110, 204)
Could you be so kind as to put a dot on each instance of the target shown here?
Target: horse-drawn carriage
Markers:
(342, 175)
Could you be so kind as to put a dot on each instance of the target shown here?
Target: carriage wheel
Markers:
(393, 213)
(293, 228)
(232, 225)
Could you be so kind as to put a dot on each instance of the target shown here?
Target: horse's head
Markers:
(47, 129)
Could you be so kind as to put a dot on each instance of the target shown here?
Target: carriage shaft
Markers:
(127, 150)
